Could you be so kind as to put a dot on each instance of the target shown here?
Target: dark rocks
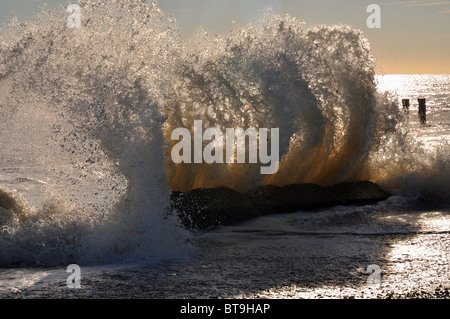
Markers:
(357, 193)
(271, 199)
(207, 208)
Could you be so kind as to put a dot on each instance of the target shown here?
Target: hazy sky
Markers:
(414, 36)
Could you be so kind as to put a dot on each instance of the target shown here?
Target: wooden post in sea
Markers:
(422, 111)
(405, 103)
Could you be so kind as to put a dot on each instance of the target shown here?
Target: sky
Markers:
(414, 36)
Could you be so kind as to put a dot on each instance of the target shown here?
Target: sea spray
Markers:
(95, 96)
(315, 84)
(93, 108)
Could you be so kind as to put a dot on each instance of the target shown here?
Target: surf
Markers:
(93, 109)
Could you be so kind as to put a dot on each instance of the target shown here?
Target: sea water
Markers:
(86, 118)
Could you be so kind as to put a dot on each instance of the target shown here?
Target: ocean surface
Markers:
(85, 122)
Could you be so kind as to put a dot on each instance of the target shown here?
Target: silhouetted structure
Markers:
(405, 103)
(422, 111)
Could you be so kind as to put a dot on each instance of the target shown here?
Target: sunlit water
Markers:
(301, 255)
(83, 138)
(435, 89)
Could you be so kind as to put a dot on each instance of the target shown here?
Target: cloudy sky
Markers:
(414, 36)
